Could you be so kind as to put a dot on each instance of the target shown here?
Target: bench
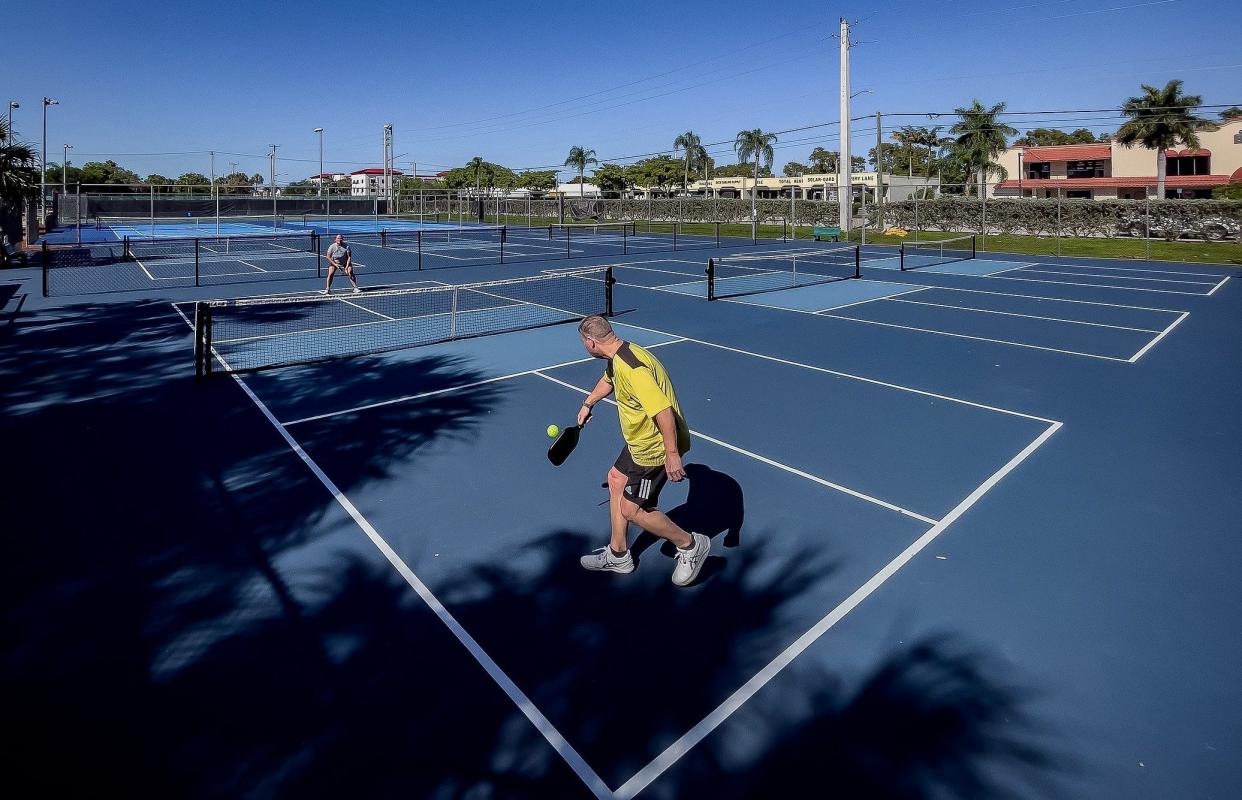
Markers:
(833, 233)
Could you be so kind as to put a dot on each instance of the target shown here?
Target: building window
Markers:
(1078, 194)
(1040, 170)
(1188, 165)
(1084, 169)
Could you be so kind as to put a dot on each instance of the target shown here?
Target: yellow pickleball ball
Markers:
(553, 431)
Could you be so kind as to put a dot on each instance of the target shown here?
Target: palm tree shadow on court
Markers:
(197, 618)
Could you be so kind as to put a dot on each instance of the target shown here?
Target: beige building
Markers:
(1109, 171)
(809, 187)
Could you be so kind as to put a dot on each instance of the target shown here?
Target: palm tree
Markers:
(758, 145)
(907, 136)
(578, 158)
(693, 146)
(979, 137)
(1159, 120)
(477, 163)
(19, 177)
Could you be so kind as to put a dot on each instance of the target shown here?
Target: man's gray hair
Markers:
(596, 327)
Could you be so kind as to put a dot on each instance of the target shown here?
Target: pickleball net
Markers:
(249, 334)
(744, 275)
(915, 255)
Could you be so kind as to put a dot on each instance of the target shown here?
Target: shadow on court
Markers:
(191, 615)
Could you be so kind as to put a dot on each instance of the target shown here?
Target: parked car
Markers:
(1212, 228)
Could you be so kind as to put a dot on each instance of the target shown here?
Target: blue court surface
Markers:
(975, 533)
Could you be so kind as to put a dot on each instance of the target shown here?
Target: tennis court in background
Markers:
(881, 456)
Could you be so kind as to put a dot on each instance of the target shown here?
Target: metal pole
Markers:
(844, 199)
(79, 213)
(215, 190)
(47, 101)
(879, 173)
(1058, 221)
(152, 209)
(273, 184)
(64, 170)
(12, 105)
(320, 132)
(1146, 224)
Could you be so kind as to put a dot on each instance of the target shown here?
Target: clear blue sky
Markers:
(519, 83)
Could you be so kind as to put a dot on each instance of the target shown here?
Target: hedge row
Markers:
(1169, 219)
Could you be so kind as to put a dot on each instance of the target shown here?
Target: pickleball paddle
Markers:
(564, 445)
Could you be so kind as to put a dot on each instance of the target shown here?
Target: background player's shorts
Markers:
(643, 484)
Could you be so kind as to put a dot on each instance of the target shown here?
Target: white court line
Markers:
(989, 274)
(1055, 299)
(143, 267)
(1096, 285)
(524, 704)
(1223, 281)
(1133, 269)
(247, 263)
(1115, 277)
(1163, 334)
(967, 336)
(345, 299)
(1128, 269)
(653, 269)
(765, 460)
(1024, 316)
(839, 374)
(673, 753)
(449, 390)
(849, 305)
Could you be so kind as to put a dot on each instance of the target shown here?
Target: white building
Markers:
(371, 181)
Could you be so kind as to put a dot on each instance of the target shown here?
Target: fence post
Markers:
(197, 258)
(1146, 224)
(45, 254)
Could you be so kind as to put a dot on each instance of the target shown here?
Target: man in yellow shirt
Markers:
(656, 437)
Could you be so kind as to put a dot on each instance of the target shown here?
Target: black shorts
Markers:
(642, 484)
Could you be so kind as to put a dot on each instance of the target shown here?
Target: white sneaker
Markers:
(602, 560)
(357, 290)
(323, 291)
(689, 562)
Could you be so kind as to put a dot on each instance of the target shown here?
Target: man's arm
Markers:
(667, 423)
(601, 390)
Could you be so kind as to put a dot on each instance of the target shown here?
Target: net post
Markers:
(503, 232)
(625, 242)
(453, 315)
(202, 340)
(197, 261)
(857, 261)
(318, 255)
(126, 255)
(569, 253)
(974, 252)
(608, 282)
(46, 256)
(419, 237)
(676, 225)
(383, 238)
(717, 226)
(711, 278)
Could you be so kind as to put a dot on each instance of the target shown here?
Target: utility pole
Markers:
(879, 171)
(844, 189)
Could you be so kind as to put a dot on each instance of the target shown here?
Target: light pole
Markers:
(64, 169)
(320, 132)
(272, 185)
(47, 101)
(12, 105)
